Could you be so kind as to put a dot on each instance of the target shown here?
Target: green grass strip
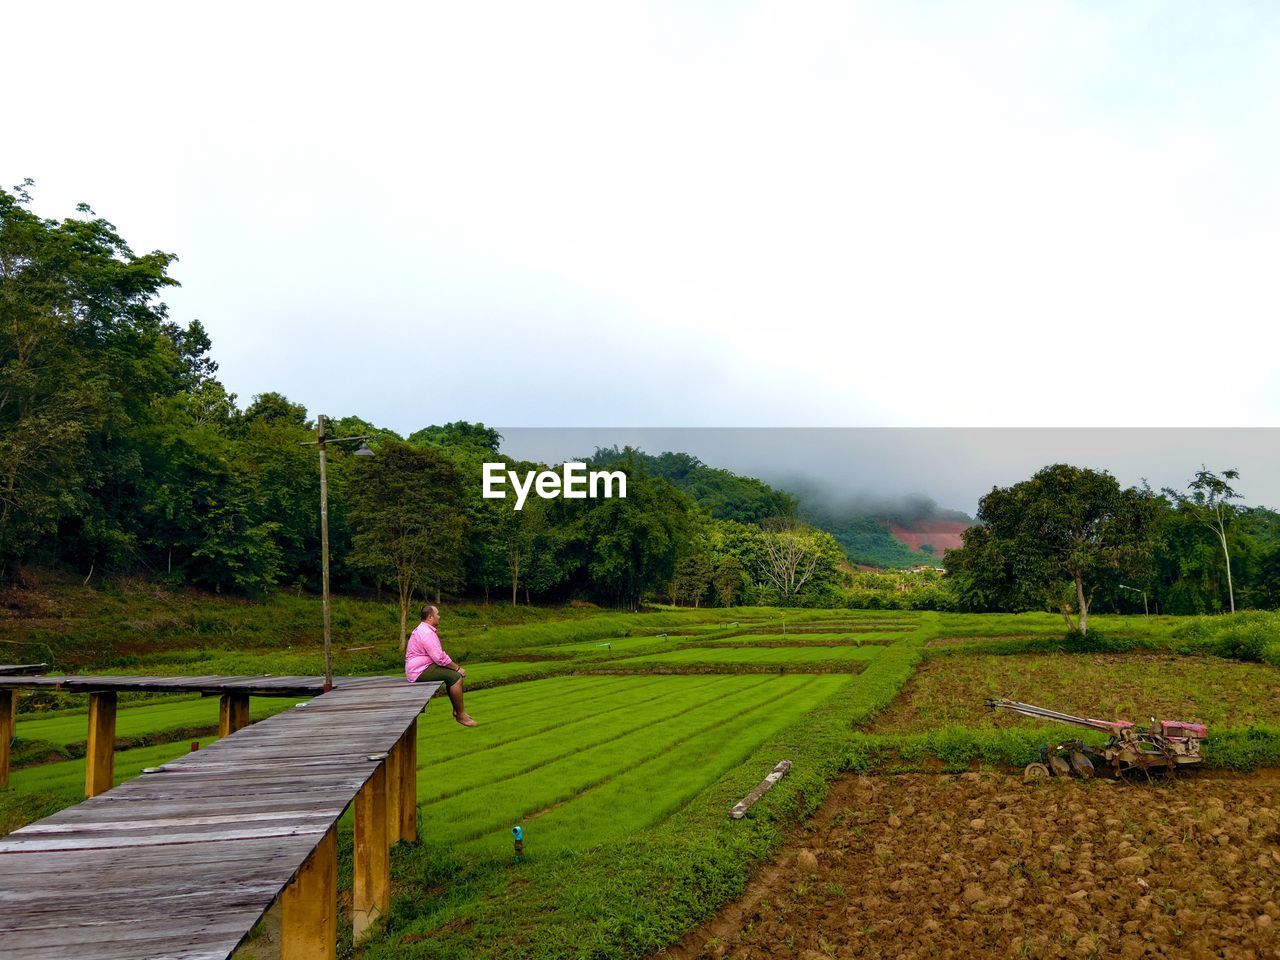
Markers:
(496, 805)
(653, 790)
(757, 656)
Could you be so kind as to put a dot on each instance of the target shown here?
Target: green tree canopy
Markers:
(723, 494)
(1058, 537)
(407, 508)
(1208, 500)
(84, 347)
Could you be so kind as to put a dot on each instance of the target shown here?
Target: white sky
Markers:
(551, 214)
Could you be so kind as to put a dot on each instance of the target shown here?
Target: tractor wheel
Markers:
(1035, 772)
(1059, 766)
(1081, 765)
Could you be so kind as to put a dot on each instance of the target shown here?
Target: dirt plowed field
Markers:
(926, 866)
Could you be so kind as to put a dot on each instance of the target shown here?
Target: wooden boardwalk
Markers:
(261, 685)
(181, 862)
(104, 691)
(8, 669)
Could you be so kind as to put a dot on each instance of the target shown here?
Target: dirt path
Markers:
(932, 866)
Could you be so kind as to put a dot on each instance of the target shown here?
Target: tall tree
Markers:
(726, 579)
(407, 510)
(791, 558)
(983, 579)
(81, 344)
(521, 532)
(202, 514)
(797, 558)
(1065, 532)
(1209, 498)
(631, 545)
(692, 579)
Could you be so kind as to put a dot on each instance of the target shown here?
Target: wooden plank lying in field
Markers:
(742, 806)
(258, 686)
(183, 861)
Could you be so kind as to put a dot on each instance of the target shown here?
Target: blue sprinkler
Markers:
(518, 832)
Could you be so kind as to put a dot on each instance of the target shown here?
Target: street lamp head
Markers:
(364, 451)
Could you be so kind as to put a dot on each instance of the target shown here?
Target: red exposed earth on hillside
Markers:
(942, 535)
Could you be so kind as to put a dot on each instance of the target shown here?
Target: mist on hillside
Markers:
(819, 497)
(902, 470)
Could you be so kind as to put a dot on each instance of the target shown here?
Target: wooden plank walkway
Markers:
(181, 862)
(22, 668)
(263, 685)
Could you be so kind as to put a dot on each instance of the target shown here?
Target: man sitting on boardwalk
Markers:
(425, 661)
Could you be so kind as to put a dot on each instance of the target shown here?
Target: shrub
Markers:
(1253, 635)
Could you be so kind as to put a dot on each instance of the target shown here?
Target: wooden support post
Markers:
(100, 754)
(409, 784)
(8, 720)
(309, 924)
(395, 791)
(371, 886)
(233, 712)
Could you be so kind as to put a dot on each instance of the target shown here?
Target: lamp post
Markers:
(1145, 611)
(363, 451)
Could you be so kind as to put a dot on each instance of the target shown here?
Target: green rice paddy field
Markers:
(620, 752)
(757, 656)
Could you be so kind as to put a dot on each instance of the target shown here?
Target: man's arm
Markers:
(444, 659)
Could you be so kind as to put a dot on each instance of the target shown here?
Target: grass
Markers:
(798, 638)
(616, 646)
(949, 691)
(594, 737)
(756, 656)
(40, 737)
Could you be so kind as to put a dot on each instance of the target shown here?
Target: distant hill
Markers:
(887, 534)
(880, 533)
(724, 494)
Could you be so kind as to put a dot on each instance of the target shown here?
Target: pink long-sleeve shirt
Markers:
(423, 650)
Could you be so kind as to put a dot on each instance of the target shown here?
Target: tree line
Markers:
(122, 452)
(1071, 537)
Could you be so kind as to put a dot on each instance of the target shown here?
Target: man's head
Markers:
(430, 615)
